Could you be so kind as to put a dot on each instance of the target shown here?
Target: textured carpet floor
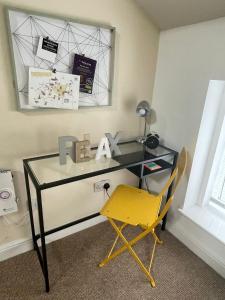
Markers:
(74, 274)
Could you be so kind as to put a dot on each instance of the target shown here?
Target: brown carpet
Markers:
(74, 274)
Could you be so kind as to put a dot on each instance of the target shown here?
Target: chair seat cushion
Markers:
(132, 206)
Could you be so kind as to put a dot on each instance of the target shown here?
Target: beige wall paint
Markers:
(31, 133)
(176, 13)
(189, 57)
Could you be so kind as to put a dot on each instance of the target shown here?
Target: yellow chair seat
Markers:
(132, 206)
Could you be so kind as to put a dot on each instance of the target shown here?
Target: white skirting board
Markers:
(23, 245)
(191, 241)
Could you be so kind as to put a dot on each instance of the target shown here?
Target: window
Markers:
(217, 176)
(218, 191)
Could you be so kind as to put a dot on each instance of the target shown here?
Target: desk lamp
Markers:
(143, 110)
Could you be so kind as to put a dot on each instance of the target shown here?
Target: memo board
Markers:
(74, 37)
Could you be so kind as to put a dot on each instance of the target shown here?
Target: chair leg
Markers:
(132, 252)
(157, 238)
(124, 248)
(152, 256)
(114, 244)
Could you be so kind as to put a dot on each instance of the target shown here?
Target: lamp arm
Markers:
(145, 127)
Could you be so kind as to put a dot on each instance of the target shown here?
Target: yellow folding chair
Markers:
(137, 207)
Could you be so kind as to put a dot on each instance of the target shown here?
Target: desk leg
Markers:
(169, 190)
(30, 208)
(42, 235)
(140, 183)
(141, 177)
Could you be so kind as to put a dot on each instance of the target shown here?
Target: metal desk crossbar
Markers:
(45, 172)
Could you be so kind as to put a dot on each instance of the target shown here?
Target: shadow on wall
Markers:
(130, 104)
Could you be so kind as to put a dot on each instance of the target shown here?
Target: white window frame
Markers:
(219, 152)
(196, 204)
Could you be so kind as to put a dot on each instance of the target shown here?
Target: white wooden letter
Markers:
(103, 149)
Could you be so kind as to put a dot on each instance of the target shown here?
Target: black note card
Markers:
(85, 67)
(50, 45)
(47, 49)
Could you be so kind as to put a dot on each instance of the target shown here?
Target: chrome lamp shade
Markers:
(143, 109)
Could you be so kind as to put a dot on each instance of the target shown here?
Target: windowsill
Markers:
(207, 219)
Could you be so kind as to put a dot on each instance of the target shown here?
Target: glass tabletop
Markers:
(48, 169)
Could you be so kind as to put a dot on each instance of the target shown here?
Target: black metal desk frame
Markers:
(135, 167)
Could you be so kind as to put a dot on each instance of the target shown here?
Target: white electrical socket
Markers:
(99, 186)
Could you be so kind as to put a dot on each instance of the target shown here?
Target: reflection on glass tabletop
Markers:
(48, 169)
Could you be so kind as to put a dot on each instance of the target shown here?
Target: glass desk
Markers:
(45, 172)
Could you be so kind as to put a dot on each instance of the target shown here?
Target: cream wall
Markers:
(26, 134)
(188, 58)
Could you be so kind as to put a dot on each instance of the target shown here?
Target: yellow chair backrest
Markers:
(176, 175)
(168, 183)
(181, 166)
(162, 214)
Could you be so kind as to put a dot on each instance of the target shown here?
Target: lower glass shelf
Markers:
(136, 170)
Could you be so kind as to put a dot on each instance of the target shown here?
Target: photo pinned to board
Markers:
(47, 49)
(85, 67)
(53, 89)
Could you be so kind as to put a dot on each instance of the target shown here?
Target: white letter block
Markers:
(103, 149)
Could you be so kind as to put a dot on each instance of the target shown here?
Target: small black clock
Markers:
(152, 140)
